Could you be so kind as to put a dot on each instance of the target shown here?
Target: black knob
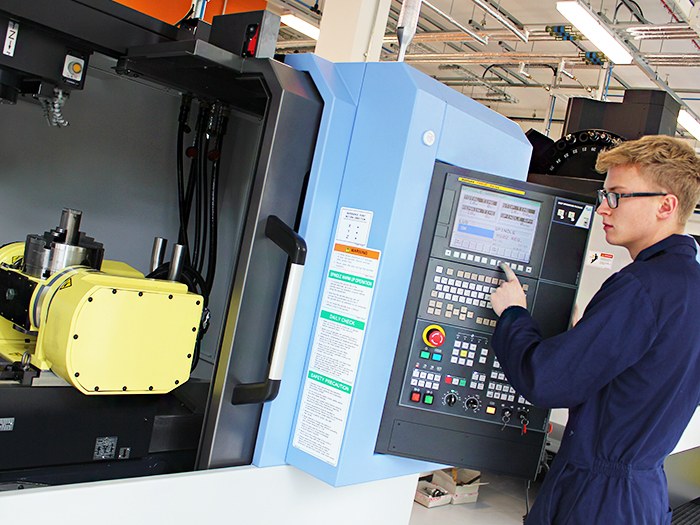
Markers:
(472, 403)
(507, 412)
(450, 399)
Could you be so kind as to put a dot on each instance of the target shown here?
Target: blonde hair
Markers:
(669, 163)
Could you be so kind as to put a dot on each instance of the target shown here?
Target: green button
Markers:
(462, 382)
(428, 399)
(425, 354)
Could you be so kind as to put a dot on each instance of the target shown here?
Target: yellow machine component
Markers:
(121, 269)
(109, 334)
(105, 332)
(13, 344)
(11, 253)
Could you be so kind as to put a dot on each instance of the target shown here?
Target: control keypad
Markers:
(459, 293)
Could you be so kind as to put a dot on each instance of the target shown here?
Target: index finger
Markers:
(510, 274)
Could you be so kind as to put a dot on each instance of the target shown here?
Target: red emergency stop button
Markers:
(434, 335)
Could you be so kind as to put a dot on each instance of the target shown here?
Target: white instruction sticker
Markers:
(354, 226)
(335, 354)
(10, 39)
(600, 259)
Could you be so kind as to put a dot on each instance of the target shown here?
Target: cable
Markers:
(203, 218)
(198, 204)
(198, 196)
(638, 15)
(550, 66)
(195, 284)
(215, 156)
(182, 129)
(184, 18)
(607, 80)
(193, 152)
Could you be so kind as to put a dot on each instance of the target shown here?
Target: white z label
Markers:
(10, 39)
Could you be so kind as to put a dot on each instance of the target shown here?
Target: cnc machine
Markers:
(376, 166)
(189, 133)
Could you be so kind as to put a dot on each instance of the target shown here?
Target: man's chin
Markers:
(610, 238)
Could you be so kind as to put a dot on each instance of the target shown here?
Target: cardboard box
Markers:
(465, 489)
(424, 495)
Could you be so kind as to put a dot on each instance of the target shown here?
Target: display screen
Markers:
(494, 224)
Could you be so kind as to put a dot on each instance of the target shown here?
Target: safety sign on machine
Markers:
(600, 259)
(340, 332)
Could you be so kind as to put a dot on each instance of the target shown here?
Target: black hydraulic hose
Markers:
(180, 167)
(213, 225)
(196, 150)
(213, 205)
(194, 281)
(182, 128)
(204, 216)
(197, 211)
(189, 193)
(195, 284)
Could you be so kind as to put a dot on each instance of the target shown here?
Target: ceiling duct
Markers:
(406, 26)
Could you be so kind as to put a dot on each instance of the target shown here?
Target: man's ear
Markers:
(668, 206)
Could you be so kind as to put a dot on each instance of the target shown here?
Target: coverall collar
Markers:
(678, 243)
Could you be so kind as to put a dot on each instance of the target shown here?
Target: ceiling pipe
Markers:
(661, 32)
(483, 4)
(491, 58)
(475, 36)
(407, 24)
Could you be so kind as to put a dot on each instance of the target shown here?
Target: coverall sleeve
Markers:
(617, 328)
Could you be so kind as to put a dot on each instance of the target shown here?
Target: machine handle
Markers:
(295, 247)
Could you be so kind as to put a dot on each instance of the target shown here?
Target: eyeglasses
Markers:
(614, 198)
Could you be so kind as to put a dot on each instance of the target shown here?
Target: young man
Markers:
(629, 370)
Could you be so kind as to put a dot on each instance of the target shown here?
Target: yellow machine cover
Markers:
(108, 334)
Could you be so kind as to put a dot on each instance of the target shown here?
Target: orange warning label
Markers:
(355, 250)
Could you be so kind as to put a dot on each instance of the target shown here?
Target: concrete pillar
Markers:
(352, 31)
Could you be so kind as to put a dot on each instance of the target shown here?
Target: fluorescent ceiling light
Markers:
(594, 30)
(691, 125)
(301, 25)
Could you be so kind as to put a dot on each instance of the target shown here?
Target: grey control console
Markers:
(448, 400)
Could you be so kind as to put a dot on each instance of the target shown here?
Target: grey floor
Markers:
(501, 502)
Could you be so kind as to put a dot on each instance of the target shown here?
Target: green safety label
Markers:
(338, 385)
(352, 279)
(348, 321)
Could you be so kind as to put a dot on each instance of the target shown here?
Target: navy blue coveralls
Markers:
(629, 372)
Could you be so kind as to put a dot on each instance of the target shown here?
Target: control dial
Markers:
(472, 403)
(450, 399)
(434, 335)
